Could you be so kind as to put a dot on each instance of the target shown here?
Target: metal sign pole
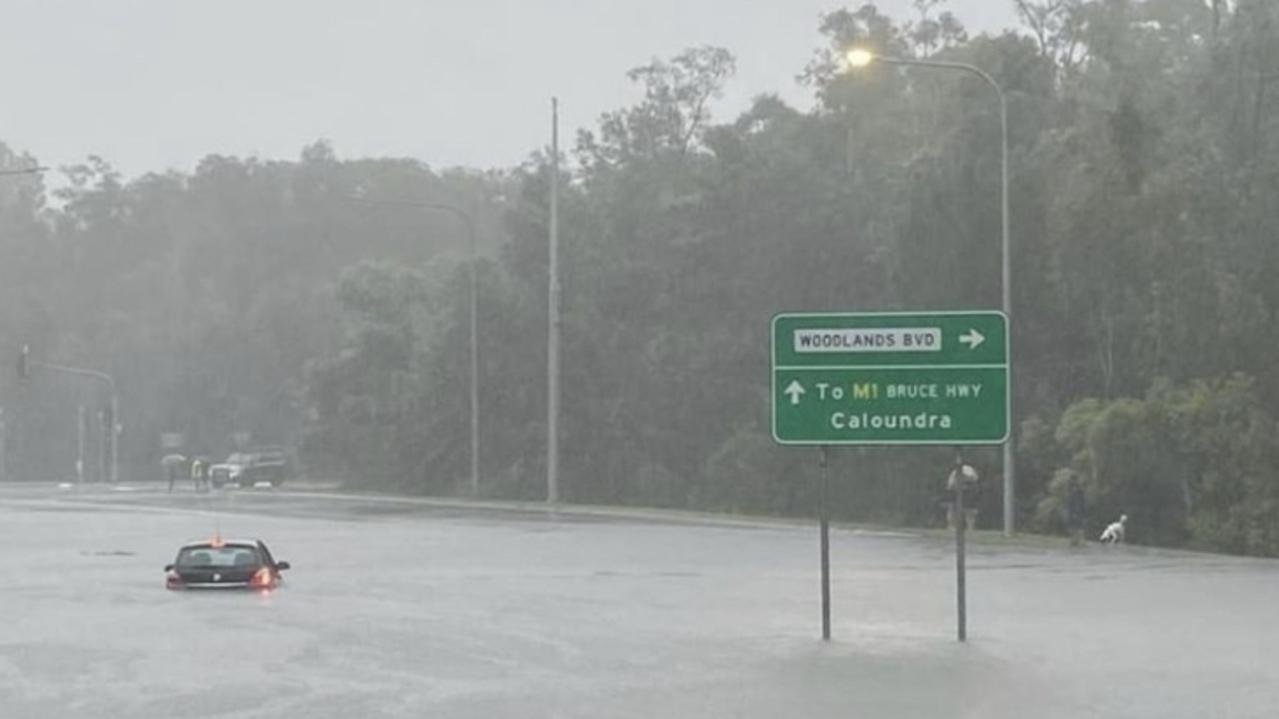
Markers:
(961, 523)
(824, 515)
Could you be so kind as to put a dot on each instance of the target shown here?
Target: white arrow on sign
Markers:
(794, 389)
(972, 339)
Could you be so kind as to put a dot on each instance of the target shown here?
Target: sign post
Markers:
(824, 520)
(961, 525)
(890, 378)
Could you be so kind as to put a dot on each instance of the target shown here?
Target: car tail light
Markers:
(173, 580)
(261, 578)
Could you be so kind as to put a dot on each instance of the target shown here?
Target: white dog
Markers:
(1114, 533)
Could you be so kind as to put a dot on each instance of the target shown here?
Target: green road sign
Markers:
(890, 378)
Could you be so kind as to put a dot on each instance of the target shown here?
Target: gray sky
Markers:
(158, 84)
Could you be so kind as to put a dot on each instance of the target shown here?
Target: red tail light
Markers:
(261, 578)
(172, 580)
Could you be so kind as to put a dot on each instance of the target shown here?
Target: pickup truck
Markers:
(245, 469)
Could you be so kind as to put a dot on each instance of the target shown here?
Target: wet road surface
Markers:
(408, 609)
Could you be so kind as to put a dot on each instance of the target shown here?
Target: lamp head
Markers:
(859, 57)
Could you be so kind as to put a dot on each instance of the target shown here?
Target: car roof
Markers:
(208, 543)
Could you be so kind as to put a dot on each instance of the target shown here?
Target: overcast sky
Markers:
(158, 84)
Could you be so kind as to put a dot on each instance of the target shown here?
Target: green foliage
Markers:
(1196, 462)
(204, 295)
(1143, 138)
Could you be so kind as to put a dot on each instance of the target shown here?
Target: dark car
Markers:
(224, 564)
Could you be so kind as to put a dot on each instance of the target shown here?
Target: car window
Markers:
(266, 554)
(234, 555)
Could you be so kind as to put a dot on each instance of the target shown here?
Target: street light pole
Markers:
(469, 222)
(475, 343)
(553, 321)
(861, 58)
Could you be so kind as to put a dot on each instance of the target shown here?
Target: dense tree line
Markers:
(266, 297)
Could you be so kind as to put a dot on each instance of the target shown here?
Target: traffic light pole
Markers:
(113, 428)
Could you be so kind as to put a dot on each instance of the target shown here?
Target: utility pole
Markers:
(553, 321)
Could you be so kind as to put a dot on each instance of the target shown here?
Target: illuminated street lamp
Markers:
(859, 57)
(469, 223)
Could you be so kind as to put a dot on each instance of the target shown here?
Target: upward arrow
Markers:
(795, 390)
(972, 339)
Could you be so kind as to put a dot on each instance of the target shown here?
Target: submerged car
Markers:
(224, 564)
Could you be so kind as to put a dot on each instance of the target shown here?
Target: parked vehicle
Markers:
(246, 469)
